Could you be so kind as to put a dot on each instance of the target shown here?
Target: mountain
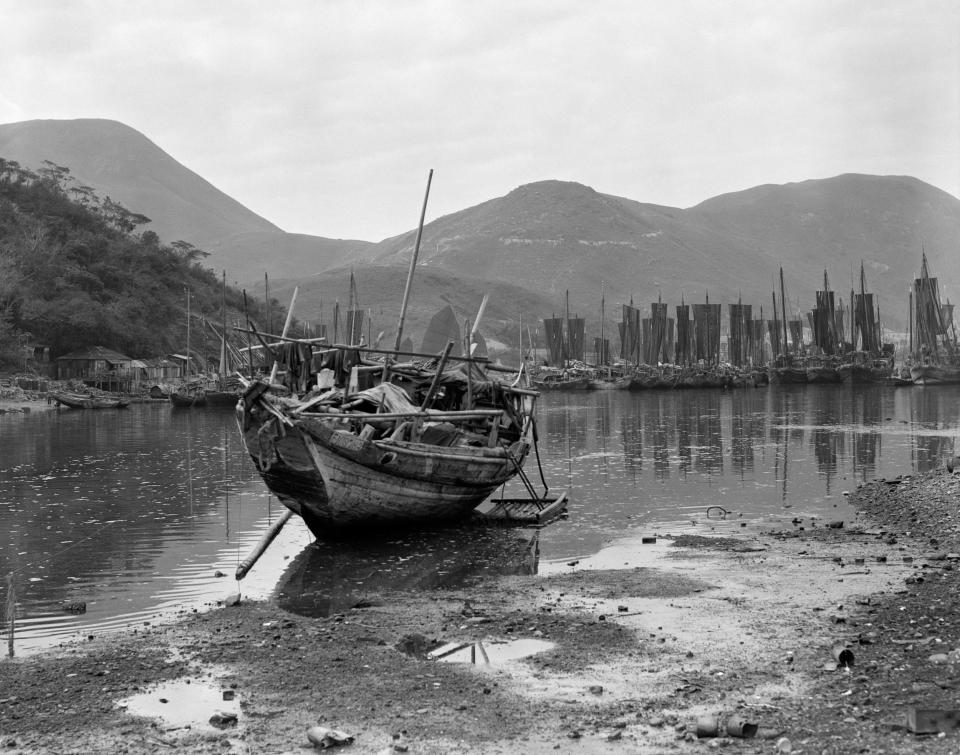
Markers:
(555, 236)
(120, 162)
(546, 238)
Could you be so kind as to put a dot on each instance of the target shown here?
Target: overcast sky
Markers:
(325, 116)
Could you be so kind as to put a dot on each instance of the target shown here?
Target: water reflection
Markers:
(776, 452)
(127, 512)
(132, 512)
(329, 577)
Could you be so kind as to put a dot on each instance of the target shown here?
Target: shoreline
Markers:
(746, 621)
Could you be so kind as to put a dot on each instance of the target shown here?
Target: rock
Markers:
(223, 719)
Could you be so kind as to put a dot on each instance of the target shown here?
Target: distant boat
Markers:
(549, 379)
(73, 400)
(788, 366)
(609, 382)
(933, 334)
(189, 396)
(870, 361)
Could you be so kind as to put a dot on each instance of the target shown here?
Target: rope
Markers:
(536, 450)
(71, 546)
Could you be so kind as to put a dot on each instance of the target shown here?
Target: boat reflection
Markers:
(328, 577)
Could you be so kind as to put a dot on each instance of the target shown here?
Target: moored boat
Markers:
(609, 383)
(864, 371)
(383, 456)
(823, 371)
(74, 400)
(560, 380)
(935, 374)
(936, 354)
(189, 395)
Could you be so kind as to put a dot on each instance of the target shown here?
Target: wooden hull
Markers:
(227, 399)
(788, 376)
(928, 374)
(863, 374)
(823, 375)
(571, 384)
(335, 480)
(618, 384)
(187, 400)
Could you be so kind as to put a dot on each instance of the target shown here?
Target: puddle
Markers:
(185, 702)
(489, 652)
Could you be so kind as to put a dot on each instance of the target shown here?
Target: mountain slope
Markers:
(120, 162)
(555, 236)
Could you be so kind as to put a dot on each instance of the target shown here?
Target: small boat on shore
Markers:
(74, 400)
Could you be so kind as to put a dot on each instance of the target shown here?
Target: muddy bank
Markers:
(737, 620)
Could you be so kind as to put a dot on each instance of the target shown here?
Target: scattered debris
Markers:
(323, 737)
(932, 720)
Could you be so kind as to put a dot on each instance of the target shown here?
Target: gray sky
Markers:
(325, 116)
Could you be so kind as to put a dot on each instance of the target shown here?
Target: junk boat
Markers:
(375, 444)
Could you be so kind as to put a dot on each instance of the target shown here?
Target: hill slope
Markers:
(555, 236)
(120, 162)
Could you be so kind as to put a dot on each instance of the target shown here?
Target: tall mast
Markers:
(783, 309)
(223, 325)
(603, 354)
(773, 297)
(188, 333)
(910, 317)
(266, 296)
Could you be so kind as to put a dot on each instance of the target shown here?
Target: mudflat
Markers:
(816, 637)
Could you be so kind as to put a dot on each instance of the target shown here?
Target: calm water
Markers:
(134, 512)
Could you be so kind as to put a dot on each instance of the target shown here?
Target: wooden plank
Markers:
(522, 510)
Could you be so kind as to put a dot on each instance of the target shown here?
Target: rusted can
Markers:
(739, 727)
(843, 656)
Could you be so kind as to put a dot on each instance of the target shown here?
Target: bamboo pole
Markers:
(11, 613)
(268, 537)
(413, 263)
(476, 324)
(428, 399)
(246, 314)
(286, 328)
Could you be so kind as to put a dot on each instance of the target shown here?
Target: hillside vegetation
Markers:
(74, 272)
